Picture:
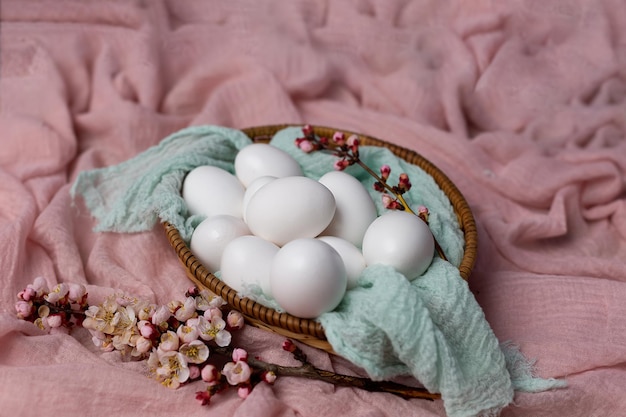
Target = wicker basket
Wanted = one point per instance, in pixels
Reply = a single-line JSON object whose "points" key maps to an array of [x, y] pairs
{"points": [[308, 331]]}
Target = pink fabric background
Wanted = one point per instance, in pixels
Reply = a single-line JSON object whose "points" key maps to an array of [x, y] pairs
{"points": [[521, 103]]}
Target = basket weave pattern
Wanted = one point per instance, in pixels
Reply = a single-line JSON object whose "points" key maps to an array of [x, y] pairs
{"points": [[306, 330]]}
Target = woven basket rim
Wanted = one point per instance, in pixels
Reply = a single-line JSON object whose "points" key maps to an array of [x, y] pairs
{"points": [[306, 330]]}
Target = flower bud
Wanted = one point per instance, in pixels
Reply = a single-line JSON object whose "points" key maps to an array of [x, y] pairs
{"points": [[203, 397], [55, 320], [76, 292], [244, 391], [235, 320], [240, 355], [339, 138], [268, 377], [194, 372], [307, 130], [209, 373], [24, 309], [385, 170], [289, 346]]}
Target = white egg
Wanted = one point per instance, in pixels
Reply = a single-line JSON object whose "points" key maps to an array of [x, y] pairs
{"points": [[209, 191], [253, 188], [401, 240], [247, 260], [355, 208], [260, 160], [212, 235], [290, 208], [308, 278], [351, 256]]}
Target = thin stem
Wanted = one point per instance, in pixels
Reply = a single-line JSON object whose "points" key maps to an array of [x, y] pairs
{"points": [[402, 201], [308, 371]]}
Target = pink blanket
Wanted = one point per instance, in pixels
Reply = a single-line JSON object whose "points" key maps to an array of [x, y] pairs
{"points": [[522, 104]]}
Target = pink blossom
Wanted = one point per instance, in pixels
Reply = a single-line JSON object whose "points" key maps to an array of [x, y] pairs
{"points": [[214, 330], [240, 355], [209, 374], [57, 293], [235, 320], [187, 334], [195, 352], [24, 309], [307, 130], [161, 315], [244, 391], [143, 345], [237, 372], [187, 310], [55, 320], [169, 342], [212, 312]]}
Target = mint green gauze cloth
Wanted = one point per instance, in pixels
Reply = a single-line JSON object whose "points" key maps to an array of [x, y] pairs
{"points": [[431, 328]]}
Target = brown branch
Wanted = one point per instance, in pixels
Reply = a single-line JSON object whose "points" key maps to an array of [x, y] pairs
{"points": [[308, 371]]}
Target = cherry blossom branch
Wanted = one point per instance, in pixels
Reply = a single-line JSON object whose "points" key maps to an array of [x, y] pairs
{"points": [[348, 152], [308, 371]]}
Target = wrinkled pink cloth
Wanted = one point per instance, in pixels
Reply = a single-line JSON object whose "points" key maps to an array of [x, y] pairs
{"points": [[522, 104]]}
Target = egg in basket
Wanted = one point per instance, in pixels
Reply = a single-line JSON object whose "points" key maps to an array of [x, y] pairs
{"points": [[290, 231]]}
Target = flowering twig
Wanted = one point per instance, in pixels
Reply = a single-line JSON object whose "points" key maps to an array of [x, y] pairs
{"points": [[347, 150], [177, 339]]}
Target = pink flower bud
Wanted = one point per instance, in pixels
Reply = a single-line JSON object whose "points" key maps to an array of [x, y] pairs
{"points": [[387, 201], [341, 164], [244, 391], [306, 146], [235, 320], [385, 170], [353, 140], [339, 138], [209, 373], [77, 292], [307, 130], [24, 309], [55, 320], [289, 346], [422, 210], [146, 329], [268, 377], [203, 397], [240, 355], [27, 294], [39, 285], [194, 372]]}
